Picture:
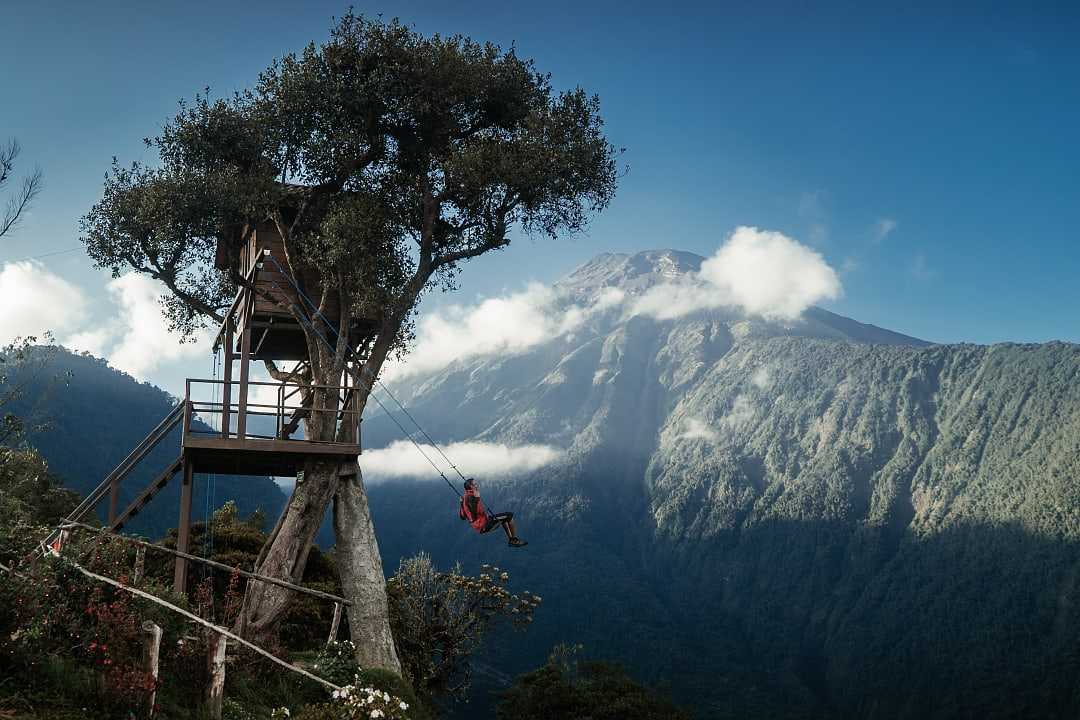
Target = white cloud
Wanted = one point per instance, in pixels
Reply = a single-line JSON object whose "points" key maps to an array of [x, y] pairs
{"points": [[760, 379], [742, 412], [37, 301], [140, 339], [760, 272], [695, 429], [401, 460], [509, 324], [135, 338], [883, 228]]}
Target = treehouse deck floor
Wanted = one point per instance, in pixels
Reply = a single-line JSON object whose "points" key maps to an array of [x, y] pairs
{"points": [[233, 456]]}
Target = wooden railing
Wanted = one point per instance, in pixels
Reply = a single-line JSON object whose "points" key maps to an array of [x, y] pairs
{"points": [[207, 401]]}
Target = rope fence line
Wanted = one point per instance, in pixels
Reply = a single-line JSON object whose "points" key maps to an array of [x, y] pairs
{"points": [[205, 623], [225, 632], [213, 563]]}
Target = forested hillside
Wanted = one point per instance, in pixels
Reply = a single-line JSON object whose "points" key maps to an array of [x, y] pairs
{"points": [[809, 519], [778, 521], [90, 416]]}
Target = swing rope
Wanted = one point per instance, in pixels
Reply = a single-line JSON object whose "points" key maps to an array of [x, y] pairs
{"points": [[307, 322], [374, 378]]}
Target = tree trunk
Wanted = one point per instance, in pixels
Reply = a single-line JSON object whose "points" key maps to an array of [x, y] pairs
{"points": [[362, 576], [285, 553]]}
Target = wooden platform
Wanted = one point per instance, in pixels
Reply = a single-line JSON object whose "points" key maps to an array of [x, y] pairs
{"points": [[233, 456]]}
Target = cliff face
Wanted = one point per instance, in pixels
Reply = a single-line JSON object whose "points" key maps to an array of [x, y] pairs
{"points": [[813, 517]]}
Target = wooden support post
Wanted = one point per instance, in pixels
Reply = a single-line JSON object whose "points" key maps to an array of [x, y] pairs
{"points": [[226, 391], [245, 360], [151, 652], [183, 534], [335, 624], [140, 565], [215, 665]]}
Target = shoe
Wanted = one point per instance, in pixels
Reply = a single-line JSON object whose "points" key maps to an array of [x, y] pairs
{"points": [[517, 542]]}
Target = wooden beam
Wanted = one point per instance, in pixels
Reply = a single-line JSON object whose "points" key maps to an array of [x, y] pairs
{"points": [[183, 534], [245, 361], [147, 494], [226, 391]]}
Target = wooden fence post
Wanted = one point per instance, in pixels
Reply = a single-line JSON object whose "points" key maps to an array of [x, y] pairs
{"points": [[335, 624], [215, 662], [151, 652], [140, 565]]}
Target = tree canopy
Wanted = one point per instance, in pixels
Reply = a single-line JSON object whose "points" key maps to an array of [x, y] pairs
{"points": [[384, 158]]}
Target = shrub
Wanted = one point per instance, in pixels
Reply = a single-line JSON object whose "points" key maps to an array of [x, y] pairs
{"points": [[439, 619], [567, 688]]}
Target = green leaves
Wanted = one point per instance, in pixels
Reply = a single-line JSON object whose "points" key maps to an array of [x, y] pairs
{"points": [[384, 158]]}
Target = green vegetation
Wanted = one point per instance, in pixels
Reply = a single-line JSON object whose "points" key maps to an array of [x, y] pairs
{"points": [[567, 688]]}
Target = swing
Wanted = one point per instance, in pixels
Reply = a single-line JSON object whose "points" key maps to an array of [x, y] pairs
{"points": [[476, 516]]}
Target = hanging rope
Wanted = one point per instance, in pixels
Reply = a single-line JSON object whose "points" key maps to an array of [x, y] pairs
{"points": [[307, 322], [374, 378]]}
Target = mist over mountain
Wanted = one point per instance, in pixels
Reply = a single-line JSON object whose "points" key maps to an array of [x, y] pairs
{"points": [[773, 517]]}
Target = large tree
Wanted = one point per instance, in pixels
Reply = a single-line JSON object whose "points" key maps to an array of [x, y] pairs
{"points": [[385, 159]]}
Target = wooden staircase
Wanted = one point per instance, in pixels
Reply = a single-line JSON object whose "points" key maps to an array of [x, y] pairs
{"points": [[111, 484]]}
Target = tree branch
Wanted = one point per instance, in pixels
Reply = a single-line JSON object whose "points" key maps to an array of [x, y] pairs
{"points": [[31, 186]]}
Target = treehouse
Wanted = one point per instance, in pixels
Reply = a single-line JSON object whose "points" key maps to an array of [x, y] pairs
{"points": [[257, 253], [234, 425]]}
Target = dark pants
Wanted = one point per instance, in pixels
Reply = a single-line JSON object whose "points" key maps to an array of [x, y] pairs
{"points": [[496, 520]]}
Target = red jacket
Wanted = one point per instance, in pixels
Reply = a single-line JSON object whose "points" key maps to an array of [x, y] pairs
{"points": [[472, 509]]}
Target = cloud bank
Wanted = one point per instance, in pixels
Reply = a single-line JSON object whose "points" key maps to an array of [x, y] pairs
{"points": [[134, 336], [138, 341], [37, 301], [510, 324], [479, 459], [762, 273]]}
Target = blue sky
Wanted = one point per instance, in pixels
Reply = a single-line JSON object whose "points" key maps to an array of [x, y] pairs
{"points": [[956, 128]]}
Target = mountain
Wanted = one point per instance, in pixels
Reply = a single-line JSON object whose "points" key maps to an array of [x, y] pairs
{"points": [[92, 416], [811, 518]]}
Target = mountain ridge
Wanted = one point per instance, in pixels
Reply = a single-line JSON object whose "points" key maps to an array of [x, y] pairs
{"points": [[778, 501]]}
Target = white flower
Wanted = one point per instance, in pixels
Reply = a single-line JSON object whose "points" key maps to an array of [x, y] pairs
{"points": [[376, 713], [403, 705]]}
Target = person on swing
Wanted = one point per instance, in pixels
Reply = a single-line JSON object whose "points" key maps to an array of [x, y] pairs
{"points": [[472, 509]]}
